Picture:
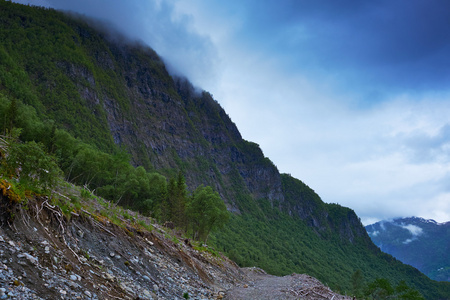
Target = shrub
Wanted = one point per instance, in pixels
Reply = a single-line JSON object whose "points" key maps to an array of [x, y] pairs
{"points": [[33, 167]]}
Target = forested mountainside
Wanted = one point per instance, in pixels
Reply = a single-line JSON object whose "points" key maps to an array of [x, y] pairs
{"points": [[98, 101], [421, 243]]}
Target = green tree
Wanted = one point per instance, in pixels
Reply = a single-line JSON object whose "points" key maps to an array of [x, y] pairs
{"points": [[380, 289], [157, 190], [358, 283], [403, 291], [33, 166], [167, 203], [11, 116], [205, 211], [179, 202], [173, 207]]}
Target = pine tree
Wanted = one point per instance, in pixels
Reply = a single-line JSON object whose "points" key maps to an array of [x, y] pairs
{"points": [[179, 204], [11, 116], [168, 201], [358, 283]]}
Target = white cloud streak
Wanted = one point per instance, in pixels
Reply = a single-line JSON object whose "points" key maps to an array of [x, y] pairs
{"points": [[413, 229]]}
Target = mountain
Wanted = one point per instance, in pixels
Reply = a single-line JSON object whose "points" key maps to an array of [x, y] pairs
{"points": [[423, 244], [97, 100]]}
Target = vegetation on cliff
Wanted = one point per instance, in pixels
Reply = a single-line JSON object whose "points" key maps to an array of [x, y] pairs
{"points": [[37, 165]]}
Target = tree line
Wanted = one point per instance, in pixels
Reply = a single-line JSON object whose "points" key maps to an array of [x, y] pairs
{"points": [[381, 289], [43, 153]]}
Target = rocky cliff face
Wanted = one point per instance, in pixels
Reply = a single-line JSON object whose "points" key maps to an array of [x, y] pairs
{"points": [[166, 124], [303, 202]]}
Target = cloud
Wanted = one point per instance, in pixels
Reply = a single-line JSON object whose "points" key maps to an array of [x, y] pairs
{"points": [[365, 159], [374, 233], [407, 241], [428, 146], [155, 23], [388, 44], [413, 229]]}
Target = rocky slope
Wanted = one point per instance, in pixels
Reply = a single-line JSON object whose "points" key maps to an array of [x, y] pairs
{"points": [[295, 286], [421, 243], [45, 254]]}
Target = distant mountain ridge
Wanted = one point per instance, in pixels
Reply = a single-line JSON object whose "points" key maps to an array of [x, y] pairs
{"points": [[421, 243]]}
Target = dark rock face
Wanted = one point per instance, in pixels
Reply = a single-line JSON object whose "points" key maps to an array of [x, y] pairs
{"points": [[166, 124]]}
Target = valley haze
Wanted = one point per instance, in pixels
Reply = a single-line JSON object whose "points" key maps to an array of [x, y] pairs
{"points": [[352, 98]]}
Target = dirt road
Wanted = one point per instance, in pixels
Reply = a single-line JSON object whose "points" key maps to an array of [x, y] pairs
{"points": [[295, 286]]}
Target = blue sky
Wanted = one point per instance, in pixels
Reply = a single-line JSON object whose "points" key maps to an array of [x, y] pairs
{"points": [[351, 97]]}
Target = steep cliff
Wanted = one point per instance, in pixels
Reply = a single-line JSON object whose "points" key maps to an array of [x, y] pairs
{"points": [[121, 93]]}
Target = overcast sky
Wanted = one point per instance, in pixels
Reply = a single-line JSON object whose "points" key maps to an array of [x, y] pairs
{"points": [[352, 97]]}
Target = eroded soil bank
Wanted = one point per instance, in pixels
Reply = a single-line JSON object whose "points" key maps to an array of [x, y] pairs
{"points": [[43, 255]]}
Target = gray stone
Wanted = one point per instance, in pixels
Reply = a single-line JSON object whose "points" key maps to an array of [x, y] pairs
{"points": [[72, 285], [31, 258], [109, 277]]}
